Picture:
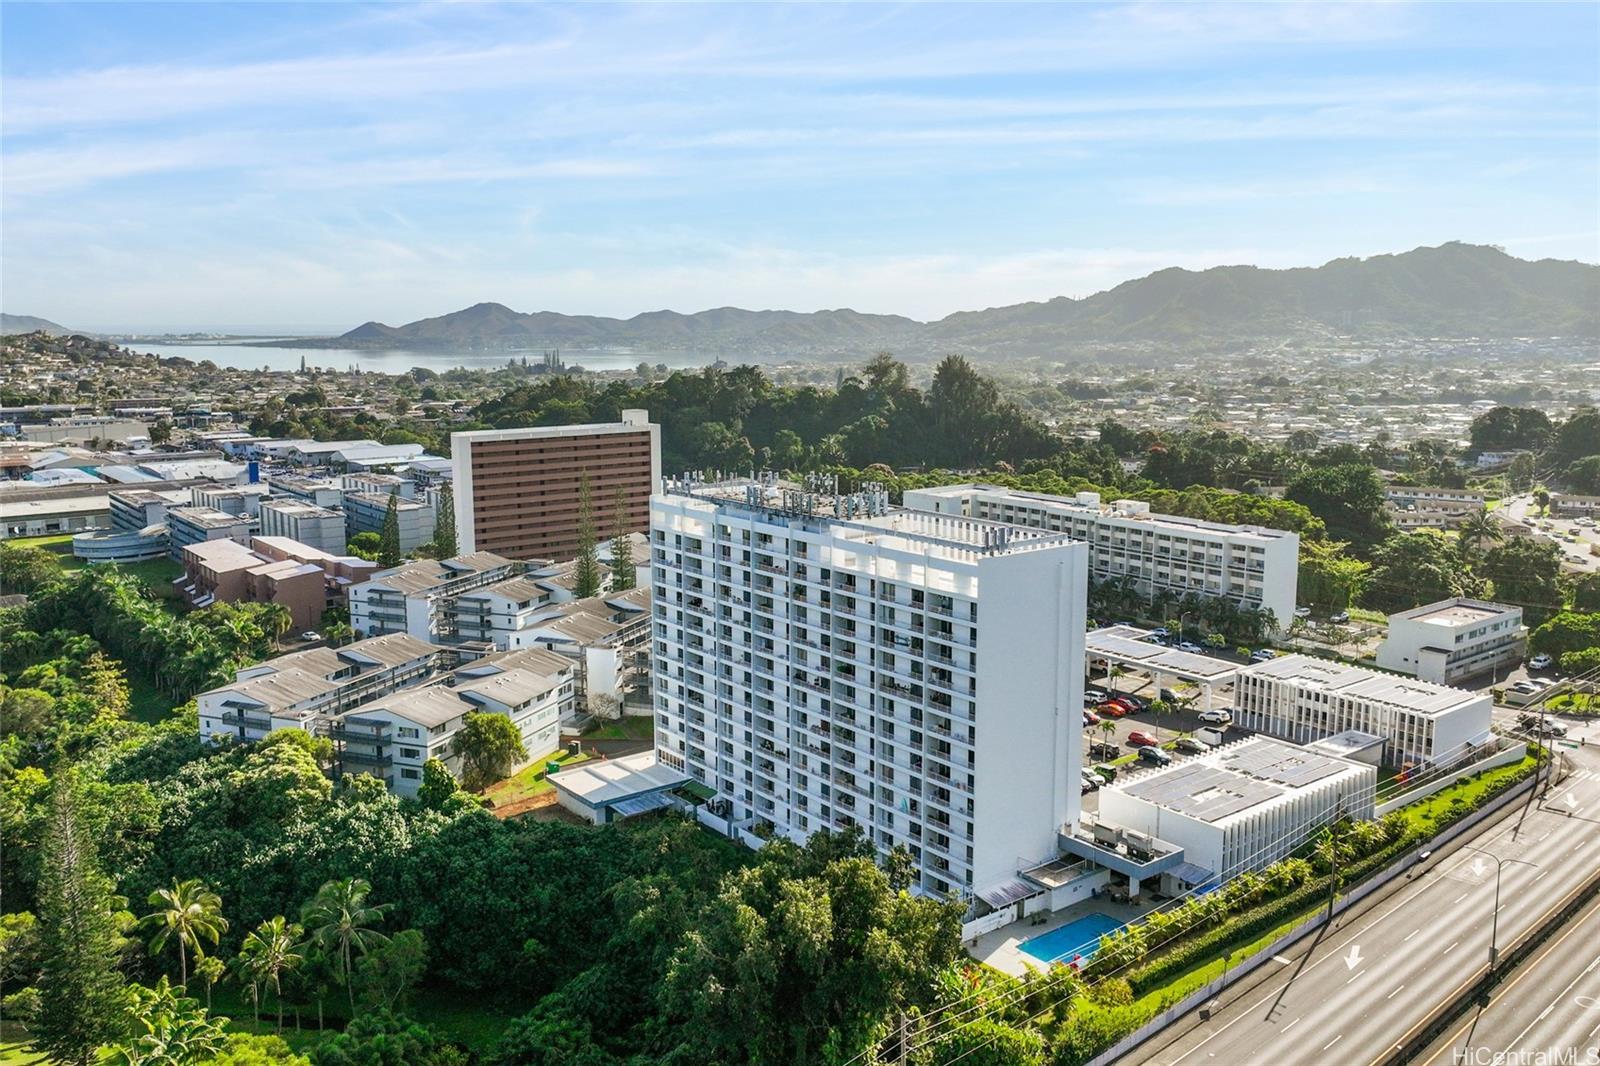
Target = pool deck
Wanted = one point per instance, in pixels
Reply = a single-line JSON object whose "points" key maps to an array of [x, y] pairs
{"points": [[999, 948]]}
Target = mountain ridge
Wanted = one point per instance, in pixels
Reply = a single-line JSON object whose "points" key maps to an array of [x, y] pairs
{"points": [[1449, 290], [10, 324]]}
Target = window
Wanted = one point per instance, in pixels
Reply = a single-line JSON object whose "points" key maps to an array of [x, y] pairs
{"points": [[410, 753], [410, 774], [409, 732]]}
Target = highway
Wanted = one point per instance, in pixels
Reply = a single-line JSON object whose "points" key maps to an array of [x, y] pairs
{"points": [[1349, 993], [1548, 1010]]}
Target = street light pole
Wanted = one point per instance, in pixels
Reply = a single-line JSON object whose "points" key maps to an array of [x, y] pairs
{"points": [[1494, 919]]}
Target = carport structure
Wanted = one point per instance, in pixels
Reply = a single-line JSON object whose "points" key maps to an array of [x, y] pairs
{"points": [[1130, 646]]}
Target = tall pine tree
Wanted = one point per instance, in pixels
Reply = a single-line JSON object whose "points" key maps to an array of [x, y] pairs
{"points": [[81, 999], [444, 525], [389, 539], [623, 575], [586, 564]]}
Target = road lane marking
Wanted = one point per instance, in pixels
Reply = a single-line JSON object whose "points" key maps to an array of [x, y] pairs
{"points": [[1280, 958], [1449, 949], [1332, 1042], [1458, 899], [1355, 975], [1541, 875], [1291, 1025], [1411, 934], [1395, 993]]}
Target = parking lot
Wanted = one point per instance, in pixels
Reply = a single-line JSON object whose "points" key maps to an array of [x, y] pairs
{"points": [[1166, 727]]}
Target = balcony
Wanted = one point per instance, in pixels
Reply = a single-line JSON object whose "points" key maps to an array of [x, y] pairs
{"points": [[249, 721], [361, 758]]}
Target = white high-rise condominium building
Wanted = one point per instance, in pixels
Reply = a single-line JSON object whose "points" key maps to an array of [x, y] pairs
{"points": [[1251, 565], [825, 661]]}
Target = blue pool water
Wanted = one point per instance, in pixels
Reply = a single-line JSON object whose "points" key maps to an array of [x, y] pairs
{"points": [[1078, 937]]}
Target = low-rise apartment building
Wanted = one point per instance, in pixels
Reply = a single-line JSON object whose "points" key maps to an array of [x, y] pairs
{"points": [[1251, 566], [393, 736], [305, 689], [420, 597], [1304, 699], [364, 512], [196, 525], [318, 492], [319, 527], [1452, 640], [1569, 505], [826, 661], [228, 572]]}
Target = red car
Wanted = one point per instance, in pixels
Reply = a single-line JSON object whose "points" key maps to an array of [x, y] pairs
{"points": [[1111, 710], [1090, 718], [1137, 739], [1127, 704]]}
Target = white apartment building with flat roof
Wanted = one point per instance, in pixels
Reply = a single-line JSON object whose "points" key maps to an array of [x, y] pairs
{"points": [[827, 661], [1252, 566], [319, 527], [1240, 807], [1454, 639], [1304, 699], [365, 512]]}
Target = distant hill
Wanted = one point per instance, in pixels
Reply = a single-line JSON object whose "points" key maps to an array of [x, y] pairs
{"points": [[1454, 290], [28, 324]]}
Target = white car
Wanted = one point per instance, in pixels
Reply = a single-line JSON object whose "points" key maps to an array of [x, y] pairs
{"points": [[1190, 645], [311, 634], [1216, 716], [1540, 662]]}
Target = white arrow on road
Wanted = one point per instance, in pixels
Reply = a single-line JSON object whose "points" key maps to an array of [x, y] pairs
{"points": [[1352, 960], [1572, 801], [1478, 867]]}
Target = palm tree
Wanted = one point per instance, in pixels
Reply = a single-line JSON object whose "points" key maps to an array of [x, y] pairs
{"points": [[341, 923], [1477, 529], [186, 914], [270, 952]]}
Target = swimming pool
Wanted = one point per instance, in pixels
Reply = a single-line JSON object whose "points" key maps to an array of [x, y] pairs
{"points": [[1080, 936]]}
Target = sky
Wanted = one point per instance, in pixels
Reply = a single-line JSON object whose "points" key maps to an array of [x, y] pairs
{"points": [[263, 166]]}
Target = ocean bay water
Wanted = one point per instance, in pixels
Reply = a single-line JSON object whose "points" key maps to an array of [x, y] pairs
{"points": [[397, 360]]}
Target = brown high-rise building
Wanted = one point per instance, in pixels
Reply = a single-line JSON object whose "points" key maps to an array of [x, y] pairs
{"points": [[516, 490]]}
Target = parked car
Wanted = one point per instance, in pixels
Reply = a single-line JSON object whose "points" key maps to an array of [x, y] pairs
{"points": [[1191, 745], [1090, 718], [1527, 687], [1137, 739], [1216, 716], [1261, 655], [1094, 695], [1339, 619], [1091, 781], [1111, 710], [1171, 695], [1161, 634], [1302, 612], [1189, 645], [1540, 662], [1155, 755], [1130, 701], [311, 634]]}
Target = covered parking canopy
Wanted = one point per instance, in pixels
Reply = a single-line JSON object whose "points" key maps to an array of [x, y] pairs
{"points": [[1130, 646]]}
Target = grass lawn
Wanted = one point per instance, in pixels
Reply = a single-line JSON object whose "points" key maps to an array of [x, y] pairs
{"points": [[635, 727], [1426, 813], [56, 542], [457, 1017], [156, 574], [1363, 614], [14, 1047], [530, 780], [1576, 703]]}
